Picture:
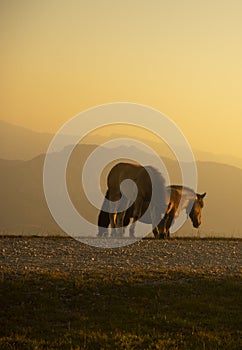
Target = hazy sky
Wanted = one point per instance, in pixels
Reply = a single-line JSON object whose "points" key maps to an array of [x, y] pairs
{"points": [[182, 57]]}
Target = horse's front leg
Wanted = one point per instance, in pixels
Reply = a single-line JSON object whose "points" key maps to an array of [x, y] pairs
{"points": [[162, 228], [165, 224], [155, 232]]}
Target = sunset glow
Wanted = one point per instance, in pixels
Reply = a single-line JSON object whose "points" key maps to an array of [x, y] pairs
{"points": [[180, 57]]}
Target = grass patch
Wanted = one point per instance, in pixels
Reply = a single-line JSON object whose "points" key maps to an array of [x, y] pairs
{"points": [[156, 310]]}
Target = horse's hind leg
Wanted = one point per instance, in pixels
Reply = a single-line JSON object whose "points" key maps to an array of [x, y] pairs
{"points": [[132, 229], [127, 218], [114, 196], [122, 216], [169, 223], [120, 223], [103, 219], [112, 219], [112, 224], [137, 210], [103, 223], [155, 221]]}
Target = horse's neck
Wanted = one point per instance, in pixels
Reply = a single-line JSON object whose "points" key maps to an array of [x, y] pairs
{"points": [[186, 195], [184, 192]]}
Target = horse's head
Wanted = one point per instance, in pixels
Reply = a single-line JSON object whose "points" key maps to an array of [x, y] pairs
{"points": [[196, 211]]}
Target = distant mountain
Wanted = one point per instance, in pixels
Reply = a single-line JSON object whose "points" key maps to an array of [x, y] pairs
{"points": [[164, 152], [218, 158], [19, 143], [222, 211], [23, 209]]}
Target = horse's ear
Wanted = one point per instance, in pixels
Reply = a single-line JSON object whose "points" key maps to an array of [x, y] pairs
{"points": [[203, 195]]}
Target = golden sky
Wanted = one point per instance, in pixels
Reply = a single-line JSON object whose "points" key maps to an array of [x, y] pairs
{"points": [[182, 57]]}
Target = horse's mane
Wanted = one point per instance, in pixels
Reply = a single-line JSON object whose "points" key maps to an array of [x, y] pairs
{"points": [[158, 182], [156, 175], [182, 189]]}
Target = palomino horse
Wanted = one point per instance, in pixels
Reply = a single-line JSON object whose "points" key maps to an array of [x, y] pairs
{"points": [[150, 192], [180, 198]]}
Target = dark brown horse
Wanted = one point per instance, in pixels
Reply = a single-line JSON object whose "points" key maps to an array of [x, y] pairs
{"points": [[147, 189], [180, 198]]}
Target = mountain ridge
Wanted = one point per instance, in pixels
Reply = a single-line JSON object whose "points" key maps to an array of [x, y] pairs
{"points": [[15, 144]]}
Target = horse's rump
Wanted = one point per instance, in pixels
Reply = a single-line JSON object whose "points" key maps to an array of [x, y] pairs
{"points": [[150, 193], [148, 180]]}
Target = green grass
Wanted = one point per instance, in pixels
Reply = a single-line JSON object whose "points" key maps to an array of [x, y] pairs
{"points": [[156, 310]]}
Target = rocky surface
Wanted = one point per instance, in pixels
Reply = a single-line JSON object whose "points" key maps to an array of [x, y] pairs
{"points": [[216, 258]]}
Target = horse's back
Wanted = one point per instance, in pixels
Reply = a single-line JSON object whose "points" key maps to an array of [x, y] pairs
{"points": [[123, 171]]}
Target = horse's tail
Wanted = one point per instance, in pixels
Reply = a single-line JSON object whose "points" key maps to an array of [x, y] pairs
{"points": [[103, 217]]}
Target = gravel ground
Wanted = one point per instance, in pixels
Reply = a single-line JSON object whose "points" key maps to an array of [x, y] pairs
{"points": [[217, 258]]}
